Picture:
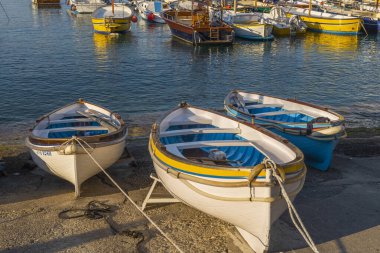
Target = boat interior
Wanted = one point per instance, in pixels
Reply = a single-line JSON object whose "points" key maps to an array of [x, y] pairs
{"points": [[274, 112], [79, 123], [120, 11], [201, 141]]}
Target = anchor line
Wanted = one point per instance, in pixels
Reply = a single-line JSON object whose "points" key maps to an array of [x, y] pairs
{"points": [[292, 210], [78, 140], [5, 12]]}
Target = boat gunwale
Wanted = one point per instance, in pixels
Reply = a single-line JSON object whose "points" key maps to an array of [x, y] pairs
{"points": [[102, 138], [165, 15], [341, 119], [155, 138]]}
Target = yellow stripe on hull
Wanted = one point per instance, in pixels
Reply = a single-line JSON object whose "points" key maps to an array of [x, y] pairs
{"points": [[214, 172], [109, 25], [330, 25]]}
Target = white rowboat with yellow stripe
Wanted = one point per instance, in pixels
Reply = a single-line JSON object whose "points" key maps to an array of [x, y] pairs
{"points": [[216, 164]]}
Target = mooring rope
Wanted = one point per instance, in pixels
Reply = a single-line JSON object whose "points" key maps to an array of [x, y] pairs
{"points": [[292, 210], [5, 12], [78, 140]]}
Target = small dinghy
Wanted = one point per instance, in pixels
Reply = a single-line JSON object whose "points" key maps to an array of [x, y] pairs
{"points": [[115, 18], [151, 11], [57, 140], [218, 165], [315, 130]]}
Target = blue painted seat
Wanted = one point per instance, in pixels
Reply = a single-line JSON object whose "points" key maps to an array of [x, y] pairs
{"points": [[68, 134]]}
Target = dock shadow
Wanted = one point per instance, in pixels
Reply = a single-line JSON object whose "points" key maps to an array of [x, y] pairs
{"points": [[332, 205]]}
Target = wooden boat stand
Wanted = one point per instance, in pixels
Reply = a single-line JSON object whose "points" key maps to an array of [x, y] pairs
{"points": [[149, 200]]}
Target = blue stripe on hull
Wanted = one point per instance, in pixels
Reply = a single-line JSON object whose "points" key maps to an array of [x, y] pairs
{"points": [[258, 38], [331, 32]]}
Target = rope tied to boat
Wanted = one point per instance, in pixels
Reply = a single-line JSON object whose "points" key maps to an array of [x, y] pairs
{"points": [[269, 164], [79, 140]]}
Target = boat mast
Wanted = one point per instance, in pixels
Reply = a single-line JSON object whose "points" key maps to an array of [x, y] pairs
{"points": [[235, 3], [192, 11], [310, 7], [377, 5], [113, 7]]}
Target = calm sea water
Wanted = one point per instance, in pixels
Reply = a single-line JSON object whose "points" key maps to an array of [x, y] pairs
{"points": [[49, 58]]}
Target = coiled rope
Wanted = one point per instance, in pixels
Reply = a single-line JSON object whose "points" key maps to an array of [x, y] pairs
{"points": [[269, 164], [78, 140]]}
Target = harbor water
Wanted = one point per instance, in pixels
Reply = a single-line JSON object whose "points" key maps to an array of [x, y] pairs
{"points": [[50, 58]]}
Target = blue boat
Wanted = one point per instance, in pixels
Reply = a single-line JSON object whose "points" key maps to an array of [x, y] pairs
{"points": [[371, 25], [313, 129]]}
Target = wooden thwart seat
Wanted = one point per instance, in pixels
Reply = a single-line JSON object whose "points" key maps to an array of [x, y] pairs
{"points": [[196, 144], [284, 112], [200, 131], [263, 106]]}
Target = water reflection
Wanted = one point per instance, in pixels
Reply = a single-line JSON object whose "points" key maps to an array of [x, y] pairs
{"points": [[105, 45], [326, 43]]}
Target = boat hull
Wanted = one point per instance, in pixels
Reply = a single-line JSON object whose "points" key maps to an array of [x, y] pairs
{"points": [[254, 32], [318, 152], [46, 2], [335, 24], [75, 166], [157, 18], [253, 219], [198, 35], [111, 25], [371, 25]]}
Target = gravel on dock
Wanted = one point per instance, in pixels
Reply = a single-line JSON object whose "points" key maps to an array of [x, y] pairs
{"points": [[340, 207]]}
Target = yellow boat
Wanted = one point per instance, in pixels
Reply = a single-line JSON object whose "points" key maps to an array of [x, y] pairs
{"points": [[112, 19], [327, 22]]}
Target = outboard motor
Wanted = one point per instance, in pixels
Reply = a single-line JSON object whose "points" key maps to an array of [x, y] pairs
{"points": [[296, 24]]}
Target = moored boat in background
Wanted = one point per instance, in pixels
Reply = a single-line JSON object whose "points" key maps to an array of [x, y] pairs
{"points": [[46, 2], [315, 130], [54, 146], [217, 165], [86, 6], [196, 27], [151, 10], [327, 22], [283, 25], [249, 25], [113, 19]]}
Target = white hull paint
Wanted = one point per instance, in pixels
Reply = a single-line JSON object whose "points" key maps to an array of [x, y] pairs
{"points": [[78, 167], [252, 219], [54, 141], [262, 31]]}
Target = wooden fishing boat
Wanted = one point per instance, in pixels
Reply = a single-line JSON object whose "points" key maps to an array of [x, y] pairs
{"points": [[46, 2], [327, 22], [112, 19], [216, 164], [53, 148], [283, 25], [195, 27], [313, 129], [151, 11]]}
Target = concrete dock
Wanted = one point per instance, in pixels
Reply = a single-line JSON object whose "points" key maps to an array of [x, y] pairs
{"points": [[340, 208]]}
